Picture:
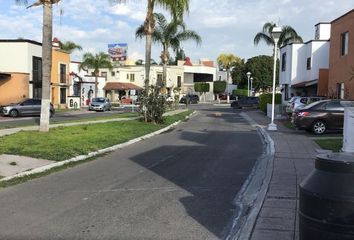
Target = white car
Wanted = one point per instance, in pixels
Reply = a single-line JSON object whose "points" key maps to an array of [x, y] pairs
{"points": [[298, 102]]}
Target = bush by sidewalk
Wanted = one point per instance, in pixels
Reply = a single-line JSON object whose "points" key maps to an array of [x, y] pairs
{"points": [[66, 142]]}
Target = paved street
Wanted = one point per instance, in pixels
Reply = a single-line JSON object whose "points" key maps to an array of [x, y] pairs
{"points": [[178, 185]]}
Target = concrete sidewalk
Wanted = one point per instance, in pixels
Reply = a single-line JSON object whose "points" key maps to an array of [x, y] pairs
{"points": [[293, 161]]}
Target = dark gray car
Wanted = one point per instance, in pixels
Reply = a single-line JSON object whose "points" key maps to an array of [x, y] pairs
{"points": [[28, 107]]}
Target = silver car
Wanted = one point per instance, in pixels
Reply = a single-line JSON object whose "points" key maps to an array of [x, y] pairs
{"points": [[28, 107], [100, 104]]}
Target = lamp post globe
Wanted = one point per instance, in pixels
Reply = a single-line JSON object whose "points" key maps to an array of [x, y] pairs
{"points": [[276, 32], [248, 83]]}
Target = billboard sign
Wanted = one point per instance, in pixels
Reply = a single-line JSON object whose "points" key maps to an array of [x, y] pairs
{"points": [[118, 51]]}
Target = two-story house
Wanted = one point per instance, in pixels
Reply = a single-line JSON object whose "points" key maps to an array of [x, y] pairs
{"points": [[21, 72], [304, 67]]}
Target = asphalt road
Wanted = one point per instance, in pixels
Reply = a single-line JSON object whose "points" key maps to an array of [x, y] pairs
{"points": [[177, 185]]}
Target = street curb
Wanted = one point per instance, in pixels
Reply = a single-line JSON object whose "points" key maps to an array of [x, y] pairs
{"points": [[250, 198], [92, 154]]}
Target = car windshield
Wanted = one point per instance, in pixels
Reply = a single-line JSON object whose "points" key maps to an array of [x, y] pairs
{"points": [[98, 100]]}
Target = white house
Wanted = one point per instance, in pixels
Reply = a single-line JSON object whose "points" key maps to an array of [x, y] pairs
{"points": [[303, 65], [83, 85]]}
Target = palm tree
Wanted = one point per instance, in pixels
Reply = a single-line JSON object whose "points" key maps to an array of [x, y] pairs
{"points": [[95, 62], [226, 61], [169, 34], [288, 35], [69, 46], [47, 32], [176, 8]]}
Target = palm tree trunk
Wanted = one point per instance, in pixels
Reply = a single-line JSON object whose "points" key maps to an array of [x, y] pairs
{"points": [[47, 65], [96, 84], [149, 29], [164, 68]]}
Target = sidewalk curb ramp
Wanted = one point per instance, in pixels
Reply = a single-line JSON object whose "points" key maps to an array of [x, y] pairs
{"points": [[250, 198], [92, 154]]}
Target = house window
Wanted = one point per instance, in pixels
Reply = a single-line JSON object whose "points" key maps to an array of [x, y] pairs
{"points": [[308, 63], [104, 74], [340, 90], [179, 81], [132, 77], [219, 78], [37, 77], [113, 74], [344, 43], [92, 73], [62, 95], [62, 73], [283, 62]]}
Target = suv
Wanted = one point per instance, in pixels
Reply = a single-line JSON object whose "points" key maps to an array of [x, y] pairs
{"points": [[189, 99], [31, 106], [298, 102], [241, 102]]}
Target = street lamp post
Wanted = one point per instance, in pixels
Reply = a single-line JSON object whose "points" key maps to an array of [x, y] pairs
{"points": [[251, 86], [276, 31], [248, 83]]}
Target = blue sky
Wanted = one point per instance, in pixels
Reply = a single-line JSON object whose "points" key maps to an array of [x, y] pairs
{"points": [[226, 26]]}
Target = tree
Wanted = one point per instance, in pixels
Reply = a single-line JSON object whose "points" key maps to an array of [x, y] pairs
{"points": [[202, 88], [288, 35], [169, 35], [219, 87], [47, 33], [69, 46], [238, 72], [95, 62], [176, 8], [261, 68], [226, 61]]}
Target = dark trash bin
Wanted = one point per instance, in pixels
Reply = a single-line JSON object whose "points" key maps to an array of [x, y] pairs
{"points": [[326, 204]]}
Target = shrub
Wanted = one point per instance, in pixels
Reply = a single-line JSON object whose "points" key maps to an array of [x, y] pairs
{"points": [[153, 105], [240, 92], [219, 87], [267, 98]]}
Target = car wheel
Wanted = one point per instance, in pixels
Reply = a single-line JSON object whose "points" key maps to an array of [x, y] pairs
{"points": [[14, 113], [319, 127]]}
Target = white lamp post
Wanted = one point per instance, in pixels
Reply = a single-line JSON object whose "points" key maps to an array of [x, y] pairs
{"points": [[248, 83], [251, 86], [275, 34]]}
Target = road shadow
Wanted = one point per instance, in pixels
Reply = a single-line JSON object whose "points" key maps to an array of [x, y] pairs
{"points": [[211, 169]]}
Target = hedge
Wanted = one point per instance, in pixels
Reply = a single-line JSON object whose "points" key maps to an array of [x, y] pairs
{"points": [[240, 92], [267, 98]]}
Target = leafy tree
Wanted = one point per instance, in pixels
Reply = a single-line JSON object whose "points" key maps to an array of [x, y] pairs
{"points": [[169, 34], [69, 46], [154, 104], [288, 35], [95, 62], [47, 31], [202, 87], [261, 68], [238, 72], [219, 87]]}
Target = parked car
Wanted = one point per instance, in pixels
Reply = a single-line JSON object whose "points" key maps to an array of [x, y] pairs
{"points": [[223, 96], [27, 107], [299, 102], [100, 104], [320, 116], [241, 102], [190, 99]]}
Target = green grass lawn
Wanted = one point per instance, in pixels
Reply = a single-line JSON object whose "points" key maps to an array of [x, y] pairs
{"points": [[330, 144], [66, 142]]}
